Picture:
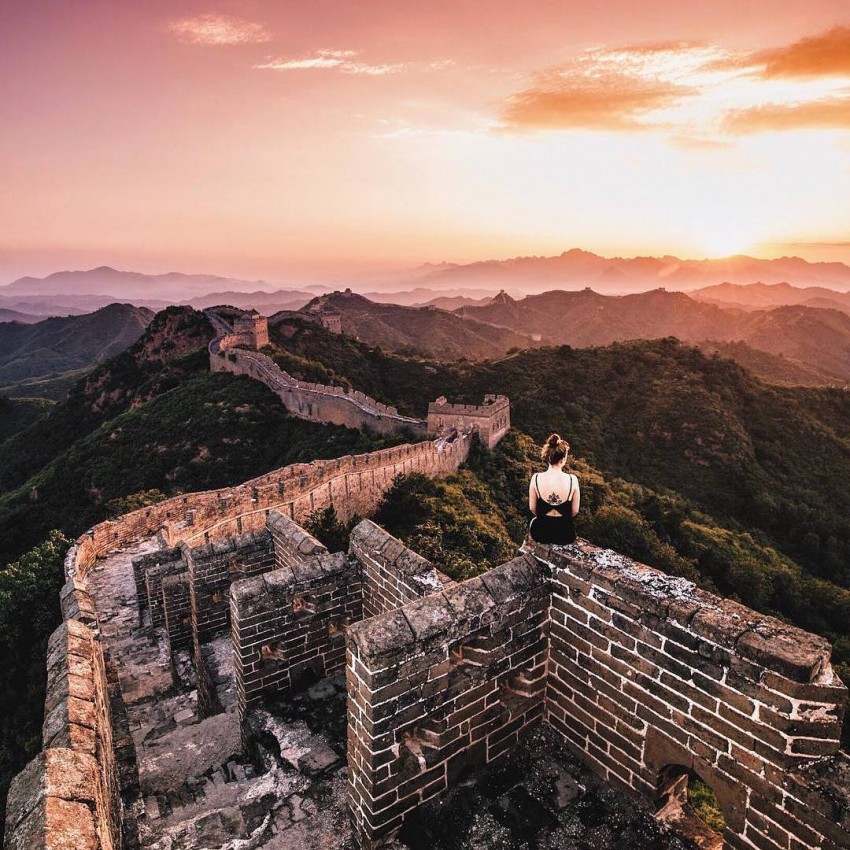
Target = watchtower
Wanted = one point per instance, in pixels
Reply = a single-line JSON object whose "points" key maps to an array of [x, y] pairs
{"points": [[491, 419], [253, 328]]}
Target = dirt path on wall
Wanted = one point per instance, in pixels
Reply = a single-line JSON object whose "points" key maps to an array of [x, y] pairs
{"points": [[199, 791]]}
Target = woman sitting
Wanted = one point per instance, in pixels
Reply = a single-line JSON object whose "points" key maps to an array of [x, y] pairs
{"points": [[553, 496]]}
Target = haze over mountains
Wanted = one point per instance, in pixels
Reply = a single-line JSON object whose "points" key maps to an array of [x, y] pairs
{"points": [[577, 268], [758, 296], [69, 292]]}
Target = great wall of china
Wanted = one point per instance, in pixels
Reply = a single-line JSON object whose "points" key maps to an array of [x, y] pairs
{"points": [[193, 628]]}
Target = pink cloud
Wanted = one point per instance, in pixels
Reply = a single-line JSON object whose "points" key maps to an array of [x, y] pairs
{"points": [[219, 29]]}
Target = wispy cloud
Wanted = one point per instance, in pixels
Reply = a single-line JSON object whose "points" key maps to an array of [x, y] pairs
{"points": [[219, 29], [346, 62], [828, 114], [826, 55], [607, 89], [700, 95]]}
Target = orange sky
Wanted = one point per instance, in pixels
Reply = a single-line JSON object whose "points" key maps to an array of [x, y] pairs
{"points": [[295, 140]]}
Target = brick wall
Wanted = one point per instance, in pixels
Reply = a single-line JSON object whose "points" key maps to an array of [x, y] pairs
{"points": [[80, 791], [154, 576], [141, 564], [650, 677], [392, 573], [353, 484], [288, 625], [316, 402], [492, 420], [177, 611], [439, 687], [292, 544], [211, 570]]}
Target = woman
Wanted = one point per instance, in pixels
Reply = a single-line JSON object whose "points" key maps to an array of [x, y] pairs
{"points": [[553, 496]]}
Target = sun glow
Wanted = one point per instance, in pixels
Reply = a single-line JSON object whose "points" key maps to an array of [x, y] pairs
{"points": [[726, 243]]}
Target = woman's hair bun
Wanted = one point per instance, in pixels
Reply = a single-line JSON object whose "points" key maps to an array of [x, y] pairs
{"points": [[554, 449]]}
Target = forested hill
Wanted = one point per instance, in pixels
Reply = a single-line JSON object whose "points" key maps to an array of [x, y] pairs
{"points": [[69, 343], [658, 413]]}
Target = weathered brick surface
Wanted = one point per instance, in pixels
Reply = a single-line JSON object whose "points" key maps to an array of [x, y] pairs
{"points": [[440, 686], [292, 544], [177, 611], [392, 573], [73, 794], [649, 676], [141, 565], [288, 625], [212, 568], [154, 577]]}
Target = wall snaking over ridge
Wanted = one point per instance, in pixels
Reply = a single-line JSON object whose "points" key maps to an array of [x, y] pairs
{"points": [[316, 402]]}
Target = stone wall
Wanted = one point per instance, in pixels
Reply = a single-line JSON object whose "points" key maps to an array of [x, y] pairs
{"points": [[352, 484], [82, 790], [438, 688], [177, 609], [213, 567], [392, 573], [649, 678], [141, 565], [288, 626], [316, 402]]}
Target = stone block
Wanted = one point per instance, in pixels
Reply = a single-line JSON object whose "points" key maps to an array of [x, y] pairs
{"points": [[381, 636], [54, 773], [791, 652], [429, 617]]}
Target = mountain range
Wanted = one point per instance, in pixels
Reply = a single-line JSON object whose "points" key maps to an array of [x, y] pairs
{"points": [[577, 269], [815, 339], [430, 331], [760, 296]]}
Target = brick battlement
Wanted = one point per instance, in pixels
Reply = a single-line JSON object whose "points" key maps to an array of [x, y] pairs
{"points": [[492, 420], [643, 676]]}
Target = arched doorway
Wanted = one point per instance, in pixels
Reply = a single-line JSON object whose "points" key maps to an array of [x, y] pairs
{"points": [[689, 805]]}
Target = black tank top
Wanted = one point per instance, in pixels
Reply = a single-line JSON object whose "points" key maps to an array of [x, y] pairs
{"points": [[555, 530]]}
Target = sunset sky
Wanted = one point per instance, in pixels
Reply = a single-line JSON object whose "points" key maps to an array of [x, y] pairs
{"points": [[290, 140]]}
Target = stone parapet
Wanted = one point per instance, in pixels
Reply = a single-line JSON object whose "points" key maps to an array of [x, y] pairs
{"points": [[650, 677], [439, 687], [288, 625], [392, 574], [315, 402]]}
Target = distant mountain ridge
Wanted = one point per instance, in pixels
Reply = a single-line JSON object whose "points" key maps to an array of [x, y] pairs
{"points": [[70, 343], [816, 339], [759, 296], [431, 331], [172, 286], [577, 269]]}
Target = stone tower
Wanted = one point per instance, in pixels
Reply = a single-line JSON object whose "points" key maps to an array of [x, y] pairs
{"points": [[253, 328], [492, 419]]}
